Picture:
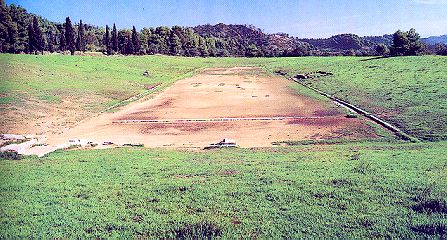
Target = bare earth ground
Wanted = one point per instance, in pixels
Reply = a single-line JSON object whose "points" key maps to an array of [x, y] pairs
{"points": [[219, 93], [34, 116]]}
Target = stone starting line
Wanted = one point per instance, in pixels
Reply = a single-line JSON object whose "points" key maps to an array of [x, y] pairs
{"points": [[167, 121]]}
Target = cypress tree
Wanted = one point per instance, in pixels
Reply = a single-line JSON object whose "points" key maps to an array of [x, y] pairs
{"points": [[136, 44], [31, 39], [50, 41], [114, 39], [129, 46], [80, 42], [69, 36], [62, 40], [107, 41], [36, 41], [38, 36]]}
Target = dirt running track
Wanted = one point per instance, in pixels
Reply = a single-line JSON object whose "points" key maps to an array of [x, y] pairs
{"points": [[220, 94]]}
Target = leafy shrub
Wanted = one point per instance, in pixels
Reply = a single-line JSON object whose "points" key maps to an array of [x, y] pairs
{"points": [[10, 155]]}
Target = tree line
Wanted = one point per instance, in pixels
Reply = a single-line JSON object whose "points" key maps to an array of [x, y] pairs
{"points": [[23, 32]]}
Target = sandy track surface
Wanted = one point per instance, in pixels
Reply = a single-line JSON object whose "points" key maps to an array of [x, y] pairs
{"points": [[234, 93]]}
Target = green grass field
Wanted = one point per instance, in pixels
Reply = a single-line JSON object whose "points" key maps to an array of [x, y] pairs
{"points": [[338, 190], [346, 191]]}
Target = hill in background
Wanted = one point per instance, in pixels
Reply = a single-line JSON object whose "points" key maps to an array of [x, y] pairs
{"points": [[436, 39]]}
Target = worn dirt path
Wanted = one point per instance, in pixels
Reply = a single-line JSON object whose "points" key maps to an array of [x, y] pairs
{"points": [[233, 93]]}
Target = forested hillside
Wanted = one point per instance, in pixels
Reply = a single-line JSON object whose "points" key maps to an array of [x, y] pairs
{"points": [[23, 32], [436, 39]]}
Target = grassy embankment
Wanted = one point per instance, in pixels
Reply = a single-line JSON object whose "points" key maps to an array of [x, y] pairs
{"points": [[409, 92]]}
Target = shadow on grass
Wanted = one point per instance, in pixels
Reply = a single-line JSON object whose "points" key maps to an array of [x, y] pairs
{"points": [[431, 229], [198, 231], [374, 58], [431, 206]]}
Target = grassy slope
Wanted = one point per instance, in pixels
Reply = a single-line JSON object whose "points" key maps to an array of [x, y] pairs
{"points": [[112, 79], [408, 91], [354, 190]]}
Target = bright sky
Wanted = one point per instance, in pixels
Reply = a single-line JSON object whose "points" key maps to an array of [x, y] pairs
{"points": [[301, 18]]}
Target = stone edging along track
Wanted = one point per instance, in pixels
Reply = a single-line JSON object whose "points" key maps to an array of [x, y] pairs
{"points": [[398, 132], [163, 121]]}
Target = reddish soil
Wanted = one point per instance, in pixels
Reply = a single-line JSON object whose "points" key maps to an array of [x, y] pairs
{"points": [[220, 93]]}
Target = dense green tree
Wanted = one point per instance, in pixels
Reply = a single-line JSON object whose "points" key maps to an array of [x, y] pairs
{"points": [[13, 37], [130, 49], [50, 33], [145, 35], [441, 49], [36, 42], [253, 51], [211, 46], [69, 36], [162, 39], [301, 50], [203, 48], [31, 44], [181, 34], [136, 44], [94, 38], [107, 41], [416, 46], [175, 46], [21, 18], [8, 30], [62, 45], [39, 41], [51, 41], [5, 21], [114, 40], [124, 41], [400, 43], [191, 45], [92, 43], [152, 44], [80, 41], [382, 49], [221, 48], [406, 43]]}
